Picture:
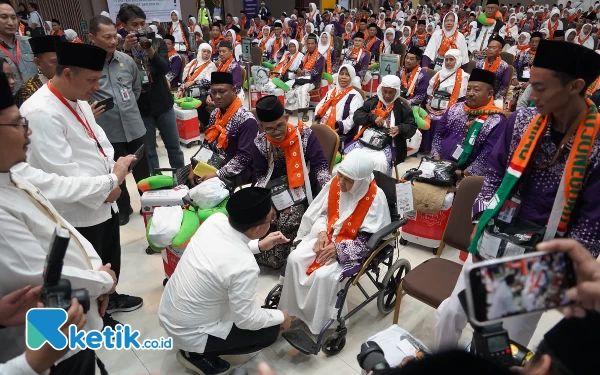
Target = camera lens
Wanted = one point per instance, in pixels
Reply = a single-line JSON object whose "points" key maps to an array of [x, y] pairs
{"points": [[371, 357], [82, 296]]}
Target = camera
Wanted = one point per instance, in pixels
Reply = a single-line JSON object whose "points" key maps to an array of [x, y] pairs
{"points": [[371, 358], [145, 38], [57, 292]]}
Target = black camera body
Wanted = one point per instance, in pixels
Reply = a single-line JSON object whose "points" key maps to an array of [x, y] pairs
{"points": [[371, 358], [57, 292], [145, 38]]}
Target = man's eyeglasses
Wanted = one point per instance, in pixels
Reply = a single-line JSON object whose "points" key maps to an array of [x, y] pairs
{"points": [[279, 127], [24, 124]]}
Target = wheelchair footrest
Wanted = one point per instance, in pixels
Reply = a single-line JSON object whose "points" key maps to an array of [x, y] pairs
{"points": [[301, 340]]}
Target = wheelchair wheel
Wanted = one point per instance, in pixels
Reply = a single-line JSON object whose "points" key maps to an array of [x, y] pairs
{"points": [[403, 242], [386, 300], [272, 300], [333, 344]]}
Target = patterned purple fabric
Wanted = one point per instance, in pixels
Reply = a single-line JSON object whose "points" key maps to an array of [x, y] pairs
{"points": [[415, 40], [236, 70], [524, 60], [241, 131], [361, 66], [317, 71], [451, 130], [387, 150], [420, 93], [313, 153], [351, 253], [375, 48], [540, 187], [503, 78]]}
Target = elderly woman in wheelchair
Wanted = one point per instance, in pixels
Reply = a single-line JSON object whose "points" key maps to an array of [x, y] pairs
{"points": [[341, 232]]}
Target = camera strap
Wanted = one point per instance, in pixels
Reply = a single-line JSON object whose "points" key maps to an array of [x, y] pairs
{"points": [[41, 205]]}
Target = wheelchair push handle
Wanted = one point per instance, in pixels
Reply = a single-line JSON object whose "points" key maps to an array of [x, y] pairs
{"points": [[410, 174]]}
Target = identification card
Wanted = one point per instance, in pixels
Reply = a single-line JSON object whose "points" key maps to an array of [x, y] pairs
{"points": [[282, 200], [526, 73], [144, 77], [125, 95], [407, 348], [298, 194], [509, 209], [205, 154], [404, 197], [457, 152]]}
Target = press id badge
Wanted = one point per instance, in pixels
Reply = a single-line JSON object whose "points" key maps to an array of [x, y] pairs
{"points": [[457, 152], [284, 197], [526, 72], [144, 77], [509, 209], [125, 95], [206, 155]]}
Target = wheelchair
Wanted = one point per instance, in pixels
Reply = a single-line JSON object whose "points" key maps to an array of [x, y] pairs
{"points": [[382, 245]]}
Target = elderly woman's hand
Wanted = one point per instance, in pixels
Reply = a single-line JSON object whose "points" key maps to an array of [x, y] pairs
{"points": [[327, 255], [322, 241]]}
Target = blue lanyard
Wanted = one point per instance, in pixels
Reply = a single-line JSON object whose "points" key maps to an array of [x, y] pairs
{"points": [[138, 55]]}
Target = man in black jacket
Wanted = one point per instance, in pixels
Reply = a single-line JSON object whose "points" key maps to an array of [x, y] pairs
{"points": [[387, 122], [155, 102]]}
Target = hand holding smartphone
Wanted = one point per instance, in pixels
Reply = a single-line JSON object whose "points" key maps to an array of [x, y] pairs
{"points": [[138, 155], [518, 285]]}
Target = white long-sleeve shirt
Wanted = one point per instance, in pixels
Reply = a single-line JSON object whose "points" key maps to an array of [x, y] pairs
{"points": [[355, 104], [61, 145], [214, 287], [435, 42], [479, 43], [28, 224]]}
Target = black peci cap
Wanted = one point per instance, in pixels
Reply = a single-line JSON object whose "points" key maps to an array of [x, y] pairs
{"points": [[249, 205], [80, 55], [269, 108]]}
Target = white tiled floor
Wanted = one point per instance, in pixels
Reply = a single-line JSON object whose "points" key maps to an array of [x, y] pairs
{"points": [[142, 275]]}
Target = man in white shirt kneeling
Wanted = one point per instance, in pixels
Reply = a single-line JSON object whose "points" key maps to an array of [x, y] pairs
{"points": [[209, 306]]}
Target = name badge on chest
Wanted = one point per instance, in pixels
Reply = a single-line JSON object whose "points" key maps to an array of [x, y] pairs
{"points": [[509, 209], [125, 95], [144, 77]]}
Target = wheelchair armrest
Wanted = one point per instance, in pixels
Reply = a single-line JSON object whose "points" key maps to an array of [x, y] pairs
{"points": [[384, 232]]}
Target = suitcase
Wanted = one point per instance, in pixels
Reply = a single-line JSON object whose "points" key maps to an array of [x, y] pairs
{"points": [[425, 229]]}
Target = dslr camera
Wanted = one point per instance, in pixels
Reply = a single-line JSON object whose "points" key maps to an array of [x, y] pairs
{"points": [[57, 292], [145, 38]]}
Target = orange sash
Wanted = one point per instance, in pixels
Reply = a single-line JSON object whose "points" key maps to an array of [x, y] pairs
{"points": [[181, 26], [352, 224], [404, 81], [223, 66], [215, 43], [293, 159], [552, 29], [455, 89], [447, 43], [283, 65], [332, 102], [308, 64], [494, 66], [193, 75], [219, 128]]}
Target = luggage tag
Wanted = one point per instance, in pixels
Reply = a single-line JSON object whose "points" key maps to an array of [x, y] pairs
{"points": [[125, 95], [144, 77], [526, 72], [510, 209], [457, 152], [404, 197]]}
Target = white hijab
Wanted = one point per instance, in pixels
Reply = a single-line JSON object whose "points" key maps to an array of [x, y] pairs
{"points": [[265, 35], [403, 38], [400, 24], [70, 34], [389, 81], [567, 33], [358, 167], [233, 36], [351, 73], [386, 42], [324, 47], [202, 47], [349, 25], [451, 32], [445, 73], [177, 13]]}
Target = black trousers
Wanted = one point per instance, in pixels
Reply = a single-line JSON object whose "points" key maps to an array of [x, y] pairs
{"points": [[106, 239], [140, 171], [241, 341], [82, 363]]}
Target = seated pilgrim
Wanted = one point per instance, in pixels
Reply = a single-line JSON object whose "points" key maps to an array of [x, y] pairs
{"points": [[290, 161], [227, 63], [308, 76], [358, 57], [209, 305], [291, 60], [336, 109], [468, 131], [494, 63], [387, 122], [229, 138], [334, 234], [446, 88], [413, 78]]}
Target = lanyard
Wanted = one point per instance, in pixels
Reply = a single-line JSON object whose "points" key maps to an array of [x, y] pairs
{"points": [[138, 55], [85, 124], [18, 57]]}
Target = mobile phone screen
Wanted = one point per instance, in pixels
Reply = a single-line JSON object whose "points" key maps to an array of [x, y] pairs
{"points": [[138, 155], [520, 285]]}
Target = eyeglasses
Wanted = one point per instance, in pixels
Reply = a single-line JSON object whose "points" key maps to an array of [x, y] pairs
{"points": [[279, 127], [24, 124]]}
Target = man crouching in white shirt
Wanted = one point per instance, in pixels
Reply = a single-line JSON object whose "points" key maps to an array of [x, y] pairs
{"points": [[28, 224], [209, 306]]}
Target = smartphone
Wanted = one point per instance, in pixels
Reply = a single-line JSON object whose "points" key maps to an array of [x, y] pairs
{"points": [[523, 284], [109, 104], [138, 156]]}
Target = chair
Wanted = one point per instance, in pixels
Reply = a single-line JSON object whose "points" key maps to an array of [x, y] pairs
{"points": [[433, 281], [508, 57], [362, 93], [329, 140], [257, 55], [430, 73], [470, 66]]}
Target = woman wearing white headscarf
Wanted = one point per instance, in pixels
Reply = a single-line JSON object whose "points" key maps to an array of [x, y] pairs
{"points": [[314, 16], [585, 37], [388, 41], [381, 115], [337, 108], [265, 36], [194, 27], [571, 35], [381, 20], [48, 27], [446, 87], [180, 32], [522, 44], [193, 74], [326, 49], [348, 33], [71, 36], [336, 247], [406, 35], [230, 35], [545, 32], [512, 32], [154, 29], [289, 63], [442, 40], [521, 13], [554, 23]]}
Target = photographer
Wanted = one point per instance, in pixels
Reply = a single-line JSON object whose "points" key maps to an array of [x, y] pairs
{"points": [[156, 101], [13, 309], [29, 221]]}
